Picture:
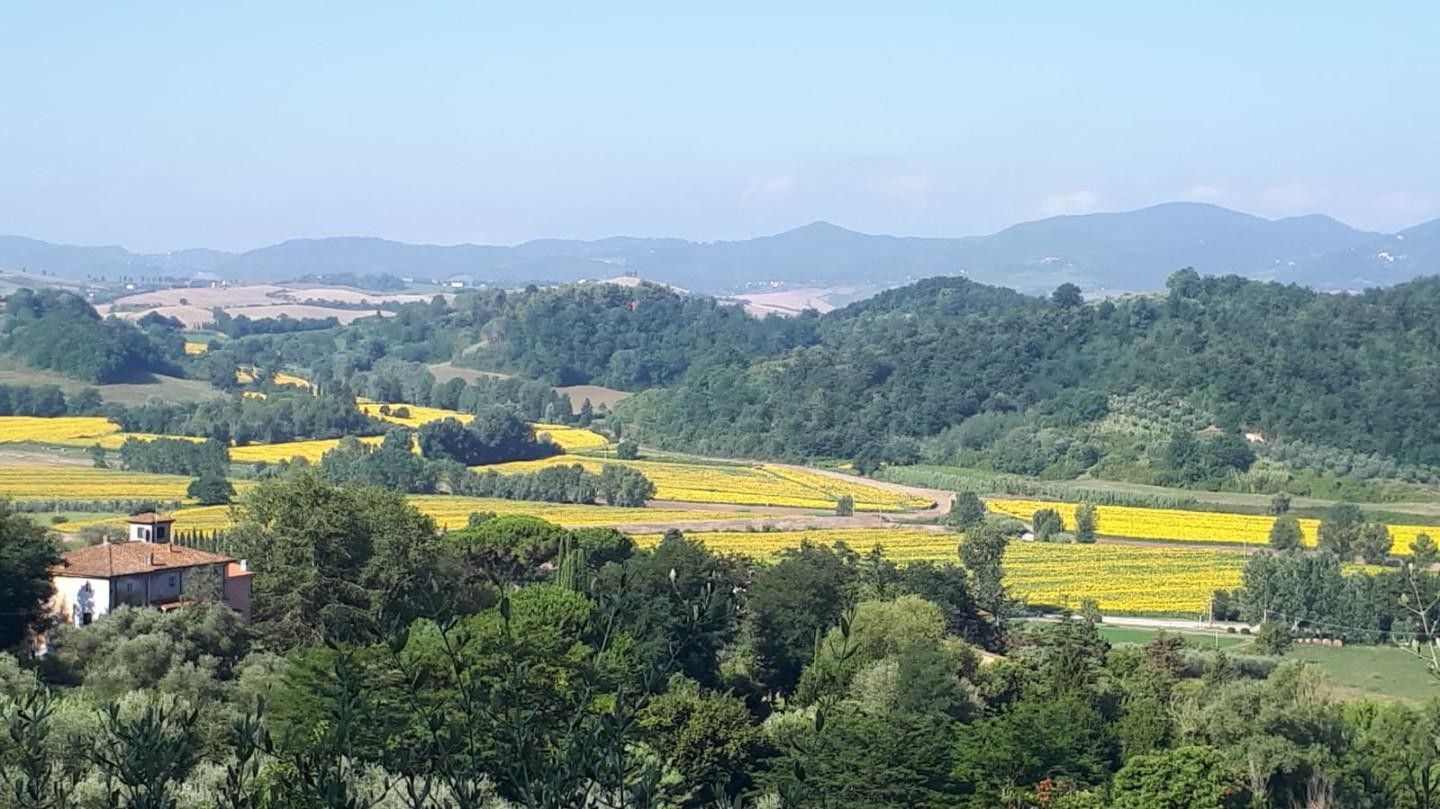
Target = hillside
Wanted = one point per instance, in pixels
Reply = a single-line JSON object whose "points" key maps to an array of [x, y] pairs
{"points": [[948, 368], [1105, 252]]}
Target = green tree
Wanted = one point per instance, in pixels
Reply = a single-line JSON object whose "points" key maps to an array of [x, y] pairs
{"points": [[26, 555], [708, 737], [210, 489], [1274, 638], [1340, 530], [1085, 523], [1280, 503], [1067, 296], [966, 511], [1025, 744], [1047, 524], [1285, 533], [1423, 550], [788, 606], [1374, 542], [1183, 778], [982, 552], [628, 449], [331, 562], [845, 506], [624, 486]]}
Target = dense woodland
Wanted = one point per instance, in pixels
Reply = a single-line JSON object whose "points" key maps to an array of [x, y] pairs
{"points": [[516, 663], [59, 331]]}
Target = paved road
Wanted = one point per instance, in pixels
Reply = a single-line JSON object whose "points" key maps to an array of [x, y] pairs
{"points": [[1177, 624]]}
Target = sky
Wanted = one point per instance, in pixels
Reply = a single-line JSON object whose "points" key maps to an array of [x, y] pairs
{"points": [[160, 126]]}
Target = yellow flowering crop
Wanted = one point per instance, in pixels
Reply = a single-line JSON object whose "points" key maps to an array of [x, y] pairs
{"points": [[571, 439], [419, 414], [1188, 526], [83, 483], [59, 429], [282, 378], [1122, 578], [762, 485], [289, 450], [192, 347]]}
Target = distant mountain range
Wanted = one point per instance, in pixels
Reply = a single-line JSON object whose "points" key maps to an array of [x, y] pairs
{"points": [[1105, 252]]}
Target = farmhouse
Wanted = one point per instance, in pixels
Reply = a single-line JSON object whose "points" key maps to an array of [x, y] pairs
{"points": [[148, 571]]}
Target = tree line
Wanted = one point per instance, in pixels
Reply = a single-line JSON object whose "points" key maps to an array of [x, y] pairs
{"points": [[517, 663]]}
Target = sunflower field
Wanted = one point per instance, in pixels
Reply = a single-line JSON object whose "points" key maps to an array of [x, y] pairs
{"points": [[1123, 579], [1175, 525], [761, 485], [54, 430], [311, 450]]}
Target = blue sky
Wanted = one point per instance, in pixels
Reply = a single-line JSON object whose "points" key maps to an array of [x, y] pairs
{"points": [[167, 125]]}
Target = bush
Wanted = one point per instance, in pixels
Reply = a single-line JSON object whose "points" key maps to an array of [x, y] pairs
{"points": [[1046, 524]]}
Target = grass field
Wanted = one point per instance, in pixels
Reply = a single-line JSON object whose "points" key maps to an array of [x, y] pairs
{"points": [[1197, 640], [1385, 671], [155, 386], [760, 485], [1355, 671]]}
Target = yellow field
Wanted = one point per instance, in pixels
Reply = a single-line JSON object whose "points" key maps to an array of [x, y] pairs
{"points": [[282, 378], [246, 376], [1187, 526], [418, 414], [114, 440], [570, 439], [80, 483], [1122, 578], [289, 450], [56, 430], [762, 485], [453, 512], [192, 347]]}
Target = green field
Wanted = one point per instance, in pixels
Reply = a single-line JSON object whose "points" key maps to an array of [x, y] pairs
{"points": [[165, 388], [1198, 640], [1375, 671], [1356, 671]]}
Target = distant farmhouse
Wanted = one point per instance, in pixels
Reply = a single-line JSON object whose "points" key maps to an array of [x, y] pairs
{"points": [[148, 571]]}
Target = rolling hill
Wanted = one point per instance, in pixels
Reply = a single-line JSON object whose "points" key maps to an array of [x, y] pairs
{"points": [[1104, 252]]}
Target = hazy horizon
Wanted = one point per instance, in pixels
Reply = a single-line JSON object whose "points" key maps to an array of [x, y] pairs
{"points": [[798, 226], [161, 127]]}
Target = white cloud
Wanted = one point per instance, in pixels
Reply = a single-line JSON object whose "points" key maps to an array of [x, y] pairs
{"points": [[771, 186], [1397, 210], [1203, 193], [1071, 202], [1293, 198], [901, 184]]}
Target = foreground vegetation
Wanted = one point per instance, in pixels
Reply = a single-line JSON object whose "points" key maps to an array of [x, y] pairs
{"points": [[516, 663]]}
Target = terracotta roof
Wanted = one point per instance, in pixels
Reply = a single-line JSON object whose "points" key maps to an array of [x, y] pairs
{"points": [[113, 559], [148, 518]]}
